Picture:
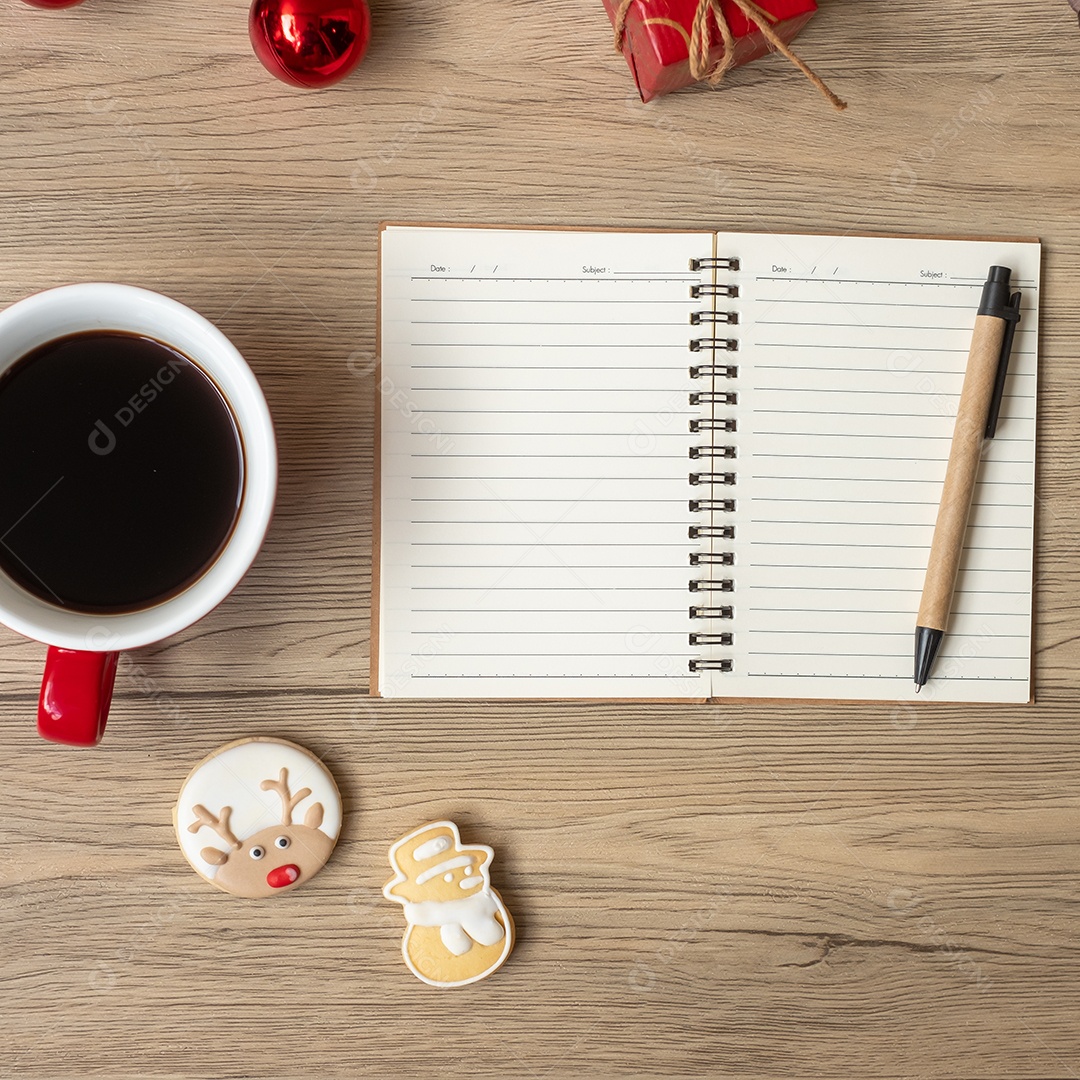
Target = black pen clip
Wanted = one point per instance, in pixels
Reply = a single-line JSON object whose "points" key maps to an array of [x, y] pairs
{"points": [[1011, 315]]}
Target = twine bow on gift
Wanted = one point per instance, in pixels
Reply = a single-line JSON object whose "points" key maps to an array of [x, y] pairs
{"points": [[701, 42]]}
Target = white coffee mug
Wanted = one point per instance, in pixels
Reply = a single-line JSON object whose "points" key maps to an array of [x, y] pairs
{"points": [[77, 686]]}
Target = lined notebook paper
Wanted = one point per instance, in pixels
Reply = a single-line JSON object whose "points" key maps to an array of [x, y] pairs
{"points": [[689, 466]]}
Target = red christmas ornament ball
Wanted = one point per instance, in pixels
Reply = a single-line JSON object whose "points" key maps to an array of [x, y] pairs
{"points": [[309, 42], [53, 3]]}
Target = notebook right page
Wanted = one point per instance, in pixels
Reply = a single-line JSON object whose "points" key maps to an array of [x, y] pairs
{"points": [[852, 355]]}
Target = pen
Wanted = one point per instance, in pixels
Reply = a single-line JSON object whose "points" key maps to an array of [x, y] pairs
{"points": [[976, 422]]}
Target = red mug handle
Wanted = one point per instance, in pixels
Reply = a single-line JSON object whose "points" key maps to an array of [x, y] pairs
{"points": [[76, 690]]}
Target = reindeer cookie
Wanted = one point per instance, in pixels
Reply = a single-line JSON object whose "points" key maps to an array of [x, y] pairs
{"points": [[258, 817], [458, 929]]}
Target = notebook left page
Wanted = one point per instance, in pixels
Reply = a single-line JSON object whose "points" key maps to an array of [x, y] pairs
{"points": [[534, 499]]}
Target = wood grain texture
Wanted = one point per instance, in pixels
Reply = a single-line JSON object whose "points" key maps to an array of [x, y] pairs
{"points": [[779, 890]]}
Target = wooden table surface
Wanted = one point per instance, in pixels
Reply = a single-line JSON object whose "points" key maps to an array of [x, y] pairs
{"points": [[772, 890]]}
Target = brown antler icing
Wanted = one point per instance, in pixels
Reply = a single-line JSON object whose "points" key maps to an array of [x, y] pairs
{"points": [[219, 824], [281, 786]]}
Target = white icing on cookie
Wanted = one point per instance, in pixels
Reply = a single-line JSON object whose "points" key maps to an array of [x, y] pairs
{"points": [[431, 848], [473, 914], [449, 864], [454, 938]]}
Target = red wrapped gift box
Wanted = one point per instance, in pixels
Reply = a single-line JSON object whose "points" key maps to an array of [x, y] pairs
{"points": [[659, 36]]}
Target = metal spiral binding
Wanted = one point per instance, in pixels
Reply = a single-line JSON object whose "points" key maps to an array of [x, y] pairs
{"points": [[713, 452], [698, 291], [714, 397], [709, 586], [726, 612], [712, 558], [720, 263], [718, 532], [711, 665], [714, 371]]}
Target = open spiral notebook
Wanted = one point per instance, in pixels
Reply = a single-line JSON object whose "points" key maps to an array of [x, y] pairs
{"points": [[689, 466]]}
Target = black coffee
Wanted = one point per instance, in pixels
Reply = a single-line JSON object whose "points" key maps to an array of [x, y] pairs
{"points": [[121, 472]]}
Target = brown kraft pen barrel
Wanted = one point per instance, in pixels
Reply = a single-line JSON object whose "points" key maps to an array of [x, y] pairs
{"points": [[962, 472]]}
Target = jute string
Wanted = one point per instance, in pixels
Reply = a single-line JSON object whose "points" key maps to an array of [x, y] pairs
{"points": [[701, 42]]}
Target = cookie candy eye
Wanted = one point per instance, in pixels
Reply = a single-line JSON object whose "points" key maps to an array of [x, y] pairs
{"points": [[282, 842], [257, 852]]}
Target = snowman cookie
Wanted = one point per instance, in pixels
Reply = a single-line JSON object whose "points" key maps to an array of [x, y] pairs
{"points": [[258, 817], [457, 928]]}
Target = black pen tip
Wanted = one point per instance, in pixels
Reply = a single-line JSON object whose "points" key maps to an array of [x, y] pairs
{"points": [[918, 687], [927, 641]]}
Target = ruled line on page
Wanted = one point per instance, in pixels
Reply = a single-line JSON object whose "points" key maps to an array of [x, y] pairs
{"points": [[868, 524], [867, 303], [969, 283], [856, 412], [535, 323], [861, 390], [561, 633], [876, 611], [901, 679], [636, 609], [849, 368], [576, 280], [546, 543], [832, 347], [869, 633], [848, 544], [679, 347], [863, 325], [880, 502], [461, 301], [844, 566]]}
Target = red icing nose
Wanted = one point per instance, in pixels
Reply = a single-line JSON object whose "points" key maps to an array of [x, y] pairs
{"points": [[281, 876]]}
